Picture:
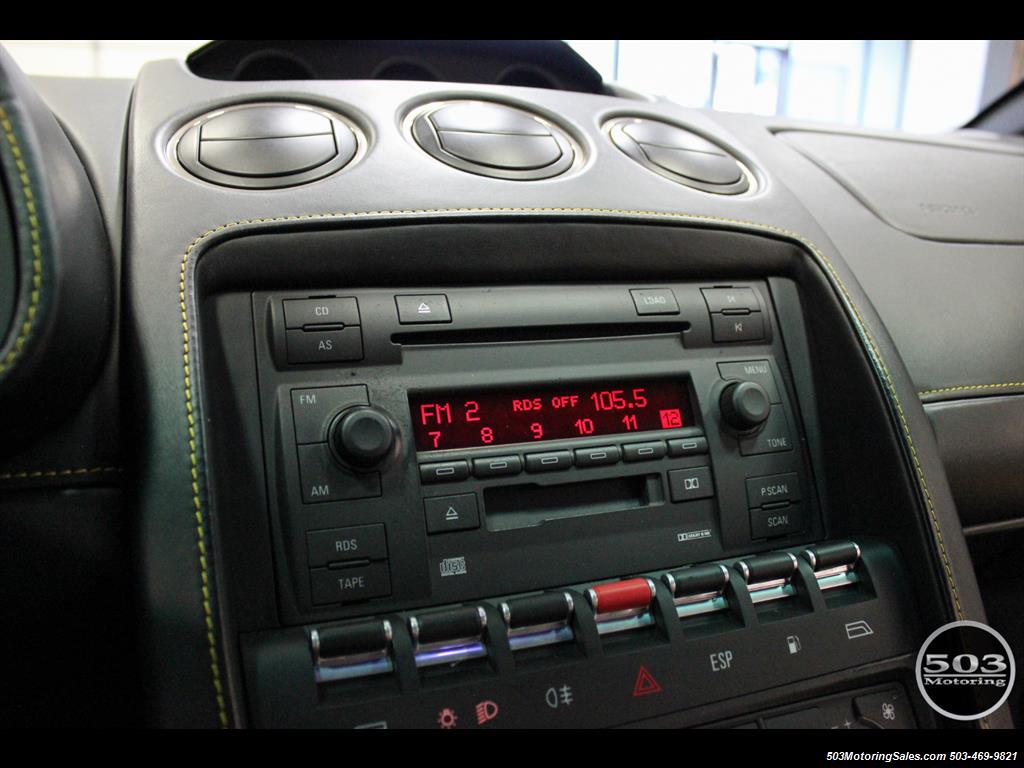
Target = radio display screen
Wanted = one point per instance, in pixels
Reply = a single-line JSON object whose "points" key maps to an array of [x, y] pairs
{"points": [[524, 414]]}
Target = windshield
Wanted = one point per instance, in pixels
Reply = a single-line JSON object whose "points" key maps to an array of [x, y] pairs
{"points": [[920, 86]]}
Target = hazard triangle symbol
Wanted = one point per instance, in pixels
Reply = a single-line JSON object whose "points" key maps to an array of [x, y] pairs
{"points": [[645, 683]]}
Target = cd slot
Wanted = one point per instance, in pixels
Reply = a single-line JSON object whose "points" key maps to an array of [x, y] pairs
{"points": [[525, 506], [434, 335]]}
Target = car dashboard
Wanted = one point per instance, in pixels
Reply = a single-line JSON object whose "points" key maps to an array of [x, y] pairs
{"points": [[380, 403]]}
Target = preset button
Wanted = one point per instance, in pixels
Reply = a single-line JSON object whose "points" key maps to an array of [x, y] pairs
{"points": [[444, 471], [644, 451], [548, 462], [595, 457], [495, 466]]}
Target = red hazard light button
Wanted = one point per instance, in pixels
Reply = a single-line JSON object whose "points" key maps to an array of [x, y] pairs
{"points": [[617, 596]]}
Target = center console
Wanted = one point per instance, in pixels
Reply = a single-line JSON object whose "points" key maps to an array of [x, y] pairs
{"points": [[560, 504], [451, 443]]}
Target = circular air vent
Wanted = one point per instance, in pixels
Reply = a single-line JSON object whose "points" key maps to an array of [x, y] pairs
{"points": [[679, 155], [492, 139], [265, 146]]}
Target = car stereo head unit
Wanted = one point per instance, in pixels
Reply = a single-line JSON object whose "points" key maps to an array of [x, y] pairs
{"points": [[427, 445]]}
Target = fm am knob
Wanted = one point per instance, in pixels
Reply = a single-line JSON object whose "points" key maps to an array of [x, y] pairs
{"points": [[364, 436]]}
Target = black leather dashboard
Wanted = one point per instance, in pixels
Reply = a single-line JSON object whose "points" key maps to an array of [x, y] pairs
{"points": [[927, 316]]}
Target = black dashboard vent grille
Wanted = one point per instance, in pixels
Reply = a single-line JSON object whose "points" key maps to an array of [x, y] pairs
{"points": [[533, 63]]}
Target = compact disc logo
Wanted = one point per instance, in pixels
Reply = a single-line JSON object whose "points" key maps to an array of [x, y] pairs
{"points": [[965, 670]]}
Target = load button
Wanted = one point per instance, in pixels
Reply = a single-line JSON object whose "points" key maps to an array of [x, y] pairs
{"points": [[655, 301]]}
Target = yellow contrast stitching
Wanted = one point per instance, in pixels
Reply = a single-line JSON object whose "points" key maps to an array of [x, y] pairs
{"points": [[32, 474], [37, 265], [211, 629], [876, 354], [969, 387]]}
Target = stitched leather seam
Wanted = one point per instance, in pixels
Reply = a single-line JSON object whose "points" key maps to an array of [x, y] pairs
{"points": [[31, 474], [969, 387], [197, 504], [872, 349], [37, 266]]}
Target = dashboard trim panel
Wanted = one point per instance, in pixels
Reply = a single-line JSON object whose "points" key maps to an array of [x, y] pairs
{"points": [[188, 310]]}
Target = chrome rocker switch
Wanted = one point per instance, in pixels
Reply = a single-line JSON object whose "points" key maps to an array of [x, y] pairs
{"points": [[698, 590], [449, 637], [352, 650], [769, 577], [538, 620]]}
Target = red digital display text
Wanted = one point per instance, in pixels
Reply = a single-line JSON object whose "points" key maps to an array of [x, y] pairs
{"points": [[473, 419]]}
